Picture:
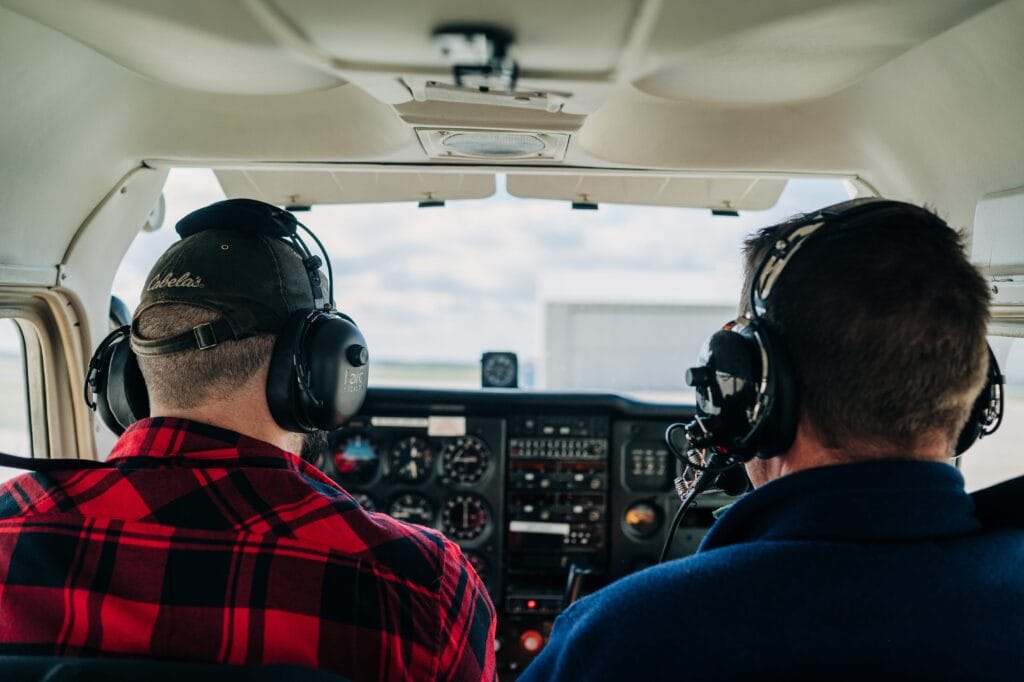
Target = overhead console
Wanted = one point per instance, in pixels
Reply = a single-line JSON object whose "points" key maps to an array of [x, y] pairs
{"points": [[547, 493]]}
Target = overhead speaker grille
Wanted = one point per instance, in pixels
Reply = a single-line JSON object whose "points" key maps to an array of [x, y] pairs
{"points": [[493, 144]]}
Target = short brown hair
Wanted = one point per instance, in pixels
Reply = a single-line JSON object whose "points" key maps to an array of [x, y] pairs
{"points": [[190, 378], [885, 326]]}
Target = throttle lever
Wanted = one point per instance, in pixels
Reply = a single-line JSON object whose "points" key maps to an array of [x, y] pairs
{"points": [[574, 584]]}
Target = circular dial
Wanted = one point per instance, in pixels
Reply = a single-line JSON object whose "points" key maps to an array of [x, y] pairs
{"points": [[642, 519], [365, 501], [412, 459], [412, 508], [478, 563], [500, 370], [465, 459], [356, 458], [465, 516]]}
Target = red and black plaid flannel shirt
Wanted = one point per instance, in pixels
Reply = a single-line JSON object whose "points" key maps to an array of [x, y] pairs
{"points": [[206, 545]]}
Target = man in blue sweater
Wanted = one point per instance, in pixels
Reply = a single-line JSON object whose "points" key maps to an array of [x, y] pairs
{"points": [[858, 554]]}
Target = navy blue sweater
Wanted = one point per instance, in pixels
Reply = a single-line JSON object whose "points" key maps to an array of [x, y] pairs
{"points": [[870, 568]]}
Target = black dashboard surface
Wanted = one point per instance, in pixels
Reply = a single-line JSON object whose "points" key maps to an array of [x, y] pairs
{"points": [[531, 485]]}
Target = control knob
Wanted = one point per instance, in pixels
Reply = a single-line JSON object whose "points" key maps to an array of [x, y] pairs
{"points": [[531, 641]]}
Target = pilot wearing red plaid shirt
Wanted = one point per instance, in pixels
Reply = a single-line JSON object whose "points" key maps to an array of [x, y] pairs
{"points": [[207, 538]]}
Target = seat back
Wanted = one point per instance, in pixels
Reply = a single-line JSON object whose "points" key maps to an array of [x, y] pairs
{"points": [[59, 669]]}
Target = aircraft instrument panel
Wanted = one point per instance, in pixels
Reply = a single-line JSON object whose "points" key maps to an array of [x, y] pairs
{"points": [[534, 487]]}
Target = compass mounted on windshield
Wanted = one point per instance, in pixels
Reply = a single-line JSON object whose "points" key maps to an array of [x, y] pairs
{"points": [[499, 370]]}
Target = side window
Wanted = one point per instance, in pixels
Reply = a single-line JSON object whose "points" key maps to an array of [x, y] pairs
{"points": [[1001, 456], [15, 432]]}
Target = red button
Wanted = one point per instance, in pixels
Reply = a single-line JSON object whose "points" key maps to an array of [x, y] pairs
{"points": [[531, 641]]}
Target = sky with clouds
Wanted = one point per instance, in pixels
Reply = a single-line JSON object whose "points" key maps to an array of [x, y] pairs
{"points": [[445, 284]]}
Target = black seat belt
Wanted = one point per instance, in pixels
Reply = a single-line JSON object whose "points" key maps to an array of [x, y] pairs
{"points": [[1001, 505], [44, 465]]}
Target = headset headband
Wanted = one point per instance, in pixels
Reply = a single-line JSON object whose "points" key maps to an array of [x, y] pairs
{"points": [[799, 230]]}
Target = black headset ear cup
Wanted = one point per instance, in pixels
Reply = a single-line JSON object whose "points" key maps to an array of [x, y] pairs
{"points": [[282, 378], [119, 391], [127, 396], [777, 429], [728, 390], [318, 372], [746, 404], [987, 411], [727, 383], [337, 360], [970, 433]]}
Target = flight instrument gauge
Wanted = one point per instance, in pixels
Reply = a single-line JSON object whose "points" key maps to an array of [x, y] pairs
{"points": [[499, 370], [356, 459], [412, 508], [465, 517], [365, 501], [465, 459], [642, 519], [412, 459]]}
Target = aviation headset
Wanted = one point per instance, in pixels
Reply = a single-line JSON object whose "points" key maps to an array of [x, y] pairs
{"points": [[318, 368], [747, 402]]}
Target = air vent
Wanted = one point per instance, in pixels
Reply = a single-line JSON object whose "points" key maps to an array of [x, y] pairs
{"points": [[495, 145]]}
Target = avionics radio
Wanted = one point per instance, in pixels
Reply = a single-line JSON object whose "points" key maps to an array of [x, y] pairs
{"points": [[557, 488]]}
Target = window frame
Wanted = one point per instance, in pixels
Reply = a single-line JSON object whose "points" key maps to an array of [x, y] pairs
{"points": [[18, 326], [60, 424]]}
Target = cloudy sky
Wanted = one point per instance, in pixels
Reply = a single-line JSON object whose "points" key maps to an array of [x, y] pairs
{"points": [[445, 284]]}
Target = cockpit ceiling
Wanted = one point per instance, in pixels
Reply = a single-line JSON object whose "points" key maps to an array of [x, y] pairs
{"points": [[725, 53], [916, 99]]}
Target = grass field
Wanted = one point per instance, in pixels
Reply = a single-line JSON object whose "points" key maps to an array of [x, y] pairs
{"points": [[440, 375]]}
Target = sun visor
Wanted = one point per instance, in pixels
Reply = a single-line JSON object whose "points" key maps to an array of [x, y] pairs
{"points": [[996, 245], [315, 187], [719, 194]]}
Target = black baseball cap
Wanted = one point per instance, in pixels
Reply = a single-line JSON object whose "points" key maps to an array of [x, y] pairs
{"points": [[240, 258]]}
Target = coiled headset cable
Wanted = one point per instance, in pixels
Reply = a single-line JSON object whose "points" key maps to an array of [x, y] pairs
{"points": [[704, 467]]}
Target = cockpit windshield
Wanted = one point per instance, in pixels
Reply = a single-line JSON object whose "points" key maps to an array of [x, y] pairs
{"points": [[614, 299]]}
